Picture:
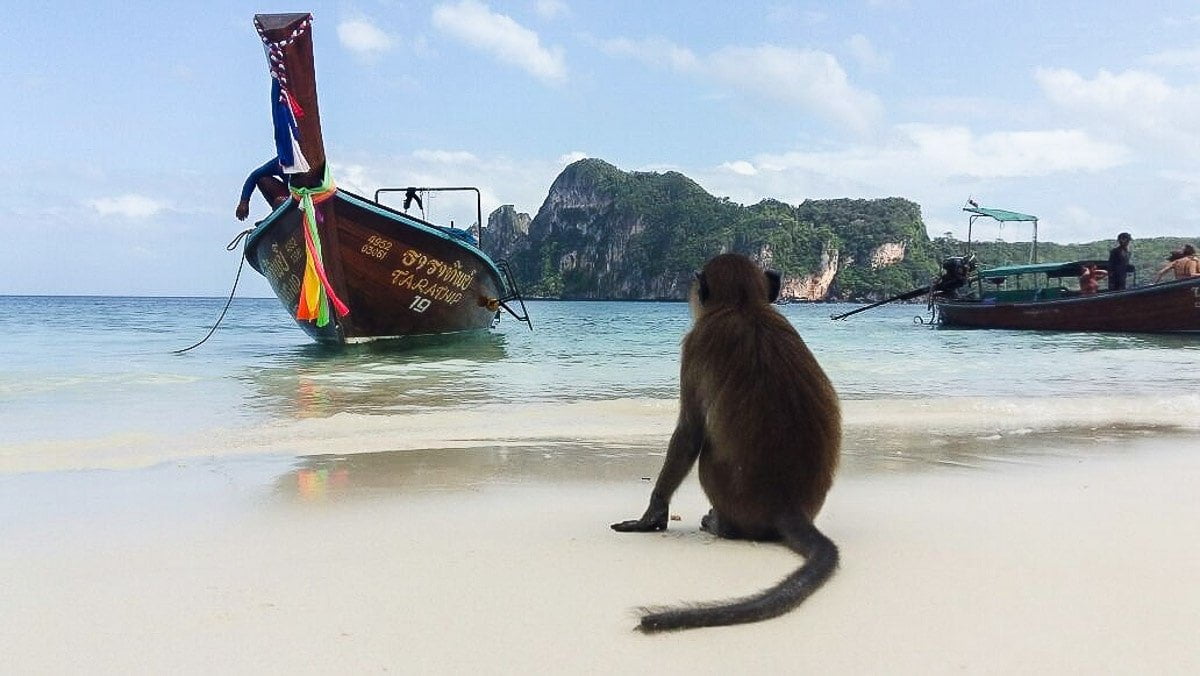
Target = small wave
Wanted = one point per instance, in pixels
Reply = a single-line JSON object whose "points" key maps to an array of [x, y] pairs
{"points": [[893, 424], [51, 384], [985, 415]]}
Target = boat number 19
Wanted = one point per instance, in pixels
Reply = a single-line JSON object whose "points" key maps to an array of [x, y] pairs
{"points": [[419, 304]]}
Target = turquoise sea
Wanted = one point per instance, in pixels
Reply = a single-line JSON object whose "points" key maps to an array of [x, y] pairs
{"points": [[92, 383]]}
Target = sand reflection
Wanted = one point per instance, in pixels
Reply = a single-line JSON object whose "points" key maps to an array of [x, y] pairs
{"points": [[435, 470], [867, 453]]}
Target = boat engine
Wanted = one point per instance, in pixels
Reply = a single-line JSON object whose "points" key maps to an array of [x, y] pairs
{"points": [[956, 272]]}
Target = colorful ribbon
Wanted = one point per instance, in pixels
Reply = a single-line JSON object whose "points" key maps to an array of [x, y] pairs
{"points": [[316, 292], [285, 110]]}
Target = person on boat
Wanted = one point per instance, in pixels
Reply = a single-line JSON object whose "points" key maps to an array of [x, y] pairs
{"points": [[269, 178], [1089, 281], [1185, 266], [1118, 262]]}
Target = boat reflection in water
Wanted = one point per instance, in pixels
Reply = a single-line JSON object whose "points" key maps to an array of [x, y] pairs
{"points": [[380, 377]]}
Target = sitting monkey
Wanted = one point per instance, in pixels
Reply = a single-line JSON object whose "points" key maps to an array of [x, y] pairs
{"points": [[763, 419]]}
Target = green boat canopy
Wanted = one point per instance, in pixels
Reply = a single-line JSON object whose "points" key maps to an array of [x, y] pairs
{"points": [[1059, 269], [1002, 215]]}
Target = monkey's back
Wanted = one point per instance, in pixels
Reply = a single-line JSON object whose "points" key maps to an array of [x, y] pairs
{"points": [[772, 420]]}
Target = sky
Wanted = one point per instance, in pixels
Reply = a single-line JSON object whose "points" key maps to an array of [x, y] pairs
{"points": [[126, 129]]}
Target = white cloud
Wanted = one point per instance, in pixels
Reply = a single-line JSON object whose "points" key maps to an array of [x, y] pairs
{"points": [[1133, 103], [777, 14], [812, 79], [363, 37], [1107, 90], [1186, 183], [500, 180], [573, 156], [499, 35], [938, 167], [127, 206], [1175, 58], [551, 9], [1176, 21], [445, 156], [957, 151], [937, 153], [652, 51], [867, 56], [740, 167], [923, 162], [356, 178]]}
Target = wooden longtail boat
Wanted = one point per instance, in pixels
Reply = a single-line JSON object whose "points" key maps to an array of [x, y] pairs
{"points": [[348, 268], [1038, 296]]}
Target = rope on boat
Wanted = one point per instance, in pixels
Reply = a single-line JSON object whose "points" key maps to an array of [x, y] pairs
{"points": [[241, 263]]}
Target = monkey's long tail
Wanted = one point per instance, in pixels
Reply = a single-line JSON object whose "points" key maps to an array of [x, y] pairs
{"points": [[821, 559]]}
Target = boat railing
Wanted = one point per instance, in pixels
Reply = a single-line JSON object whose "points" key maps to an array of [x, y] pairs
{"points": [[1035, 285], [413, 193]]}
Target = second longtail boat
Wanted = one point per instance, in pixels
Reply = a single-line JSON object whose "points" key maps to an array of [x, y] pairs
{"points": [[348, 268], [1057, 296]]}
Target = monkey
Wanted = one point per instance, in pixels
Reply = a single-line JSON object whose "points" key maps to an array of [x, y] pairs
{"points": [[763, 420]]}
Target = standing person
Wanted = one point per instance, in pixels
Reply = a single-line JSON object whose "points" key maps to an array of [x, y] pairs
{"points": [[1118, 262], [1184, 266], [271, 183]]}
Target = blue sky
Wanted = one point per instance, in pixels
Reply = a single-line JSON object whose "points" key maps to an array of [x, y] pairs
{"points": [[127, 128]]}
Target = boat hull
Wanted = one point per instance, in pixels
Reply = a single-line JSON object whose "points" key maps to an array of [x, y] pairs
{"points": [[1162, 308], [398, 275]]}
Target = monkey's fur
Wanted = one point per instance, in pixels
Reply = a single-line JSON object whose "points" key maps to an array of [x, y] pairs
{"points": [[763, 419]]}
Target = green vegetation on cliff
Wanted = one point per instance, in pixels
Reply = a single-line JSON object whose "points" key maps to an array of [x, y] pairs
{"points": [[607, 233]]}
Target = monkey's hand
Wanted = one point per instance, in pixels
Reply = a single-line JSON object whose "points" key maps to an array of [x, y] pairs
{"points": [[655, 519]]}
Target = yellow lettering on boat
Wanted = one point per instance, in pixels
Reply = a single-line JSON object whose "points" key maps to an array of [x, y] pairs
{"points": [[426, 287], [451, 274], [294, 248], [276, 264], [377, 247]]}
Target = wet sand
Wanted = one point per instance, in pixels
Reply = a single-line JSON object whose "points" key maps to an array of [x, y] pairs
{"points": [[1080, 558]]}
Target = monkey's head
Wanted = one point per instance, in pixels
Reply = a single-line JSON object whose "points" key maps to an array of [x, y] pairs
{"points": [[733, 279]]}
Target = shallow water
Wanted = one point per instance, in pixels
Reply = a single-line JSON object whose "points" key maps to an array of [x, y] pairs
{"points": [[93, 382]]}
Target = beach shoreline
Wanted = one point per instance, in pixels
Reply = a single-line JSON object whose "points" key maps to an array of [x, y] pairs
{"points": [[895, 426], [502, 562]]}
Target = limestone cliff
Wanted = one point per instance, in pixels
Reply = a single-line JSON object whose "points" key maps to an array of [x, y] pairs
{"points": [[888, 253], [812, 286], [507, 233], [609, 234]]}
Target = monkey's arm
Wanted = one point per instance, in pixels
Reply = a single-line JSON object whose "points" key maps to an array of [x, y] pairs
{"points": [[682, 452]]}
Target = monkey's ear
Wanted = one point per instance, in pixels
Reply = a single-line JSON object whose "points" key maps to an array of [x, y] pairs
{"points": [[774, 282], [702, 285]]}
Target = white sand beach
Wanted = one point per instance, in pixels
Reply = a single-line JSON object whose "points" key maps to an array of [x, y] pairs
{"points": [[1072, 562]]}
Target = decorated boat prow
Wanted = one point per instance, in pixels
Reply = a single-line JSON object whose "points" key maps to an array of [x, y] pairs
{"points": [[347, 267]]}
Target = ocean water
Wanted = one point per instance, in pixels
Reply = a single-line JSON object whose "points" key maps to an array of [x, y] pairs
{"points": [[93, 383]]}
